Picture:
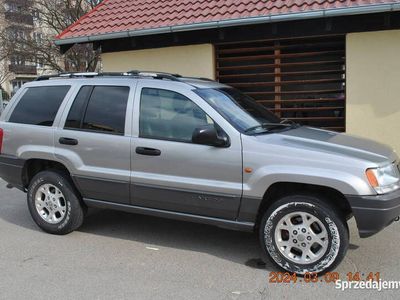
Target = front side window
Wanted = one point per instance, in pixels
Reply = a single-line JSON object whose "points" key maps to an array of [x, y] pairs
{"points": [[104, 111], [168, 115], [39, 105]]}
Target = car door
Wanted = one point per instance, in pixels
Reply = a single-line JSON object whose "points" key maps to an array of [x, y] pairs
{"points": [[94, 140], [171, 173]]}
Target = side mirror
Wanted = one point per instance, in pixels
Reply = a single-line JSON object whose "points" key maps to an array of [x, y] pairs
{"points": [[208, 135]]}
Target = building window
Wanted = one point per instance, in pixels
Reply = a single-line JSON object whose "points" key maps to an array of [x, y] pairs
{"points": [[36, 15], [38, 37], [17, 60], [16, 34], [16, 85], [39, 63], [12, 7]]}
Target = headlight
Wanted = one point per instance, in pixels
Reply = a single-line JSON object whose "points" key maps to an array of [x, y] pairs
{"points": [[385, 179]]}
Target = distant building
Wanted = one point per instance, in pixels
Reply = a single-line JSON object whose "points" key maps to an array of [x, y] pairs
{"points": [[20, 19]]}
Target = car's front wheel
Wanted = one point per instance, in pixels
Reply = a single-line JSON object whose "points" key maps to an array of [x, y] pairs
{"points": [[302, 234], [53, 202]]}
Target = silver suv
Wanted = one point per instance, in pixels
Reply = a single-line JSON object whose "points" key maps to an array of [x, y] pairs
{"points": [[195, 150]]}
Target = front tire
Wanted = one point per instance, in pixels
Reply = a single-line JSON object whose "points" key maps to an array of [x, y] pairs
{"points": [[302, 234], [54, 203]]}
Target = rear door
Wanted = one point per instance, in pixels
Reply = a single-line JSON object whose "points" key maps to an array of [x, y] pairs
{"points": [[94, 140], [172, 173]]}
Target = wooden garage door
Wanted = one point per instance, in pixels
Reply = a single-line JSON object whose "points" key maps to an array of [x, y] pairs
{"points": [[300, 79]]}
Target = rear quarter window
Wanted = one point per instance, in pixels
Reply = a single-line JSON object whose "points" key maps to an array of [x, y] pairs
{"points": [[39, 105]]}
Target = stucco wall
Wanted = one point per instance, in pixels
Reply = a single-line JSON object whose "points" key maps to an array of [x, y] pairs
{"points": [[373, 86], [192, 60]]}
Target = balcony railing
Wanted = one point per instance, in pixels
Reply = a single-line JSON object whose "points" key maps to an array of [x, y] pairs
{"points": [[20, 4], [19, 17], [22, 69]]}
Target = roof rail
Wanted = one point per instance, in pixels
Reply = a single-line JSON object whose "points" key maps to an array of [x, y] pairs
{"points": [[133, 73], [200, 78], [80, 74], [156, 75]]}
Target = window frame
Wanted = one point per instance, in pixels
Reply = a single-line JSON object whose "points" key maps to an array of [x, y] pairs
{"points": [[217, 127], [86, 104]]}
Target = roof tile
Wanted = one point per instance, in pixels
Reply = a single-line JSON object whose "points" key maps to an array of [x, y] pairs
{"points": [[124, 15]]}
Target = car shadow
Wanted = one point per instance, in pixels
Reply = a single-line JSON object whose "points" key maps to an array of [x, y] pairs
{"points": [[239, 247], [236, 246]]}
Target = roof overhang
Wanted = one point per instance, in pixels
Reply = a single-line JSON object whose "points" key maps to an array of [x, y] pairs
{"points": [[349, 11]]}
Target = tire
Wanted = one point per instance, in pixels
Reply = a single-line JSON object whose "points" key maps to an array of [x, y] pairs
{"points": [[54, 203], [316, 245]]}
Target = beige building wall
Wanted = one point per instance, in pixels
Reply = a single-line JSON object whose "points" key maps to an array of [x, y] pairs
{"points": [[373, 86], [192, 60]]}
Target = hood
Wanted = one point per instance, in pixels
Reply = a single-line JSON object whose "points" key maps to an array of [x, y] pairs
{"points": [[315, 139]]}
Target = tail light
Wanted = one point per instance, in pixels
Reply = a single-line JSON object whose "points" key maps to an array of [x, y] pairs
{"points": [[1, 138]]}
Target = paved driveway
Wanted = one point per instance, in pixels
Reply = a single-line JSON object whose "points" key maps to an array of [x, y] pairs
{"points": [[122, 256]]}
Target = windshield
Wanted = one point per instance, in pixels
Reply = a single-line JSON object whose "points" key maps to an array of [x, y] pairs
{"points": [[241, 111]]}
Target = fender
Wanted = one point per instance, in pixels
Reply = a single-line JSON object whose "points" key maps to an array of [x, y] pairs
{"points": [[266, 176], [29, 152], [259, 182]]}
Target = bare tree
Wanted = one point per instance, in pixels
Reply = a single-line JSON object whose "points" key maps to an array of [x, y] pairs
{"points": [[57, 15], [4, 70], [37, 46], [5, 51]]}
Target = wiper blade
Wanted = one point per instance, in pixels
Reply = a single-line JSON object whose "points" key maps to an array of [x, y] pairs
{"points": [[292, 123], [268, 126], [287, 121]]}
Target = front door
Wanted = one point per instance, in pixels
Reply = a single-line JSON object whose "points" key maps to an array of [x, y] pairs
{"points": [[171, 173]]}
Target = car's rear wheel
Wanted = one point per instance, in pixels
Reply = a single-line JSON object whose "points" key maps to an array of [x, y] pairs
{"points": [[54, 204], [302, 234]]}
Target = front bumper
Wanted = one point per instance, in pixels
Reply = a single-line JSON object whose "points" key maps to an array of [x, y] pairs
{"points": [[373, 213], [11, 170]]}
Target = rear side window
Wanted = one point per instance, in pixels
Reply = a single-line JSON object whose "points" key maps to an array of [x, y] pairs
{"points": [[39, 105], [103, 112], [78, 108]]}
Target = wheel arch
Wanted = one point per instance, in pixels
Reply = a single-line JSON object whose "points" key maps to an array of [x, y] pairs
{"points": [[35, 165], [278, 190]]}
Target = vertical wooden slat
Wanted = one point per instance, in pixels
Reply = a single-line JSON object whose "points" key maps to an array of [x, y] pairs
{"points": [[277, 71]]}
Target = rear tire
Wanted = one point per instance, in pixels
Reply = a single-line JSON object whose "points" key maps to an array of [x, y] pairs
{"points": [[302, 234], [54, 203]]}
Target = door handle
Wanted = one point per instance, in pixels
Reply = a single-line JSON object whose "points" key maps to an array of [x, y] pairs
{"points": [[68, 141], [148, 151]]}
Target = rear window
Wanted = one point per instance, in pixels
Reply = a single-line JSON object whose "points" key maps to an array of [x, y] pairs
{"points": [[39, 105]]}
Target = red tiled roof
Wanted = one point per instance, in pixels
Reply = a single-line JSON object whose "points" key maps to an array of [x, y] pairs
{"points": [[113, 16]]}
